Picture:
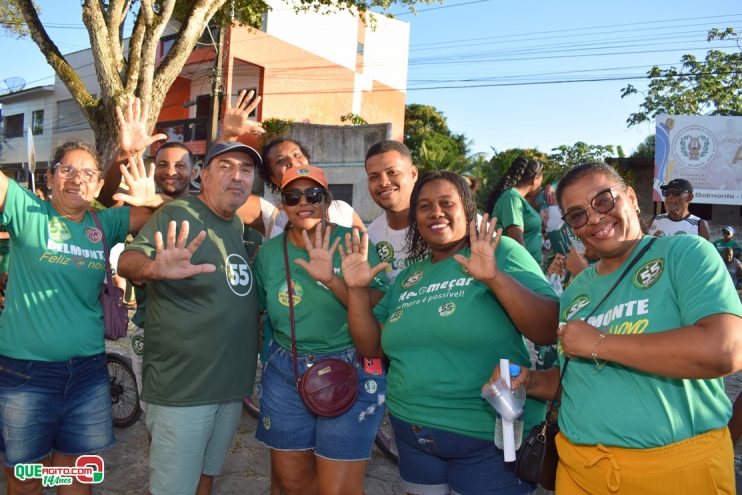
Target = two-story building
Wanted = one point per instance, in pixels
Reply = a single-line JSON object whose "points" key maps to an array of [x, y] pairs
{"points": [[311, 69]]}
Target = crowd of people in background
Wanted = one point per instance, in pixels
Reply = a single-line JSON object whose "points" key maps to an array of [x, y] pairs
{"points": [[422, 303]]}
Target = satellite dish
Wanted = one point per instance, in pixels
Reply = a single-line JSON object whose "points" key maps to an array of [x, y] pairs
{"points": [[14, 84]]}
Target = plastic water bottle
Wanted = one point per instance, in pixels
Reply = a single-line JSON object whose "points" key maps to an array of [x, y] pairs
{"points": [[520, 396]]}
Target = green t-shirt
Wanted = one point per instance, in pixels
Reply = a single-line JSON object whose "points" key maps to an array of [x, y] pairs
{"points": [[444, 332], [680, 280], [512, 209], [720, 244], [320, 319], [202, 332], [52, 311]]}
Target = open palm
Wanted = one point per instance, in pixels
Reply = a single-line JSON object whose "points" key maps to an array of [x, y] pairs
{"points": [[357, 272], [173, 260], [320, 266], [133, 135], [481, 263], [236, 121]]}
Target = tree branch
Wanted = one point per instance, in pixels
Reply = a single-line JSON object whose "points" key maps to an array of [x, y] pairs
{"points": [[115, 15], [135, 55], [196, 21], [66, 73], [106, 67]]}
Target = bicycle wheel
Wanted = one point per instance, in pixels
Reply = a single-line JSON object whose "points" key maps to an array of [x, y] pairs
{"points": [[252, 404], [385, 440], [124, 395]]}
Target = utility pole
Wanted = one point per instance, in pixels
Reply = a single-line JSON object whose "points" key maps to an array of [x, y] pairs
{"points": [[216, 89]]}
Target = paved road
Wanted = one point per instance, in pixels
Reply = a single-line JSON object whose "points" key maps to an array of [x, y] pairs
{"points": [[246, 472]]}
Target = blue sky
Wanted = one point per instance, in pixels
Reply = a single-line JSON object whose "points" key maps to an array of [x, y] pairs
{"points": [[483, 63]]}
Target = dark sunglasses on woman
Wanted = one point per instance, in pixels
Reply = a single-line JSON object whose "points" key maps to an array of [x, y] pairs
{"points": [[314, 195]]}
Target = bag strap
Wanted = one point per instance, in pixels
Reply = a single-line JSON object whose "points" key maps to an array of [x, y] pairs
{"points": [[555, 401], [290, 290], [106, 252]]}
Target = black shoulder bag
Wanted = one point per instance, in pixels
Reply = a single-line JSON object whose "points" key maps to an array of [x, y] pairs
{"points": [[538, 457]]}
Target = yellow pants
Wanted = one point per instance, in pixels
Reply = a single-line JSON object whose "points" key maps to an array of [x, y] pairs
{"points": [[700, 465]]}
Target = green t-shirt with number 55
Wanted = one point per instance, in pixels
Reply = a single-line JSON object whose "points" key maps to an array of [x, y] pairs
{"points": [[202, 332]]}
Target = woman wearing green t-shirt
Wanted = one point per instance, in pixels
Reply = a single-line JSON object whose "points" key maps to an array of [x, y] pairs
{"points": [[643, 408], [508, 203], [312, 454], [443, 324]]}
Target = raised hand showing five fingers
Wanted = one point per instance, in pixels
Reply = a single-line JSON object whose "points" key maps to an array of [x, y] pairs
{"points": [[173, 260], [320, 266], [357, 272], [141, 184], [133, 135], [481, 263], [236, 121]]}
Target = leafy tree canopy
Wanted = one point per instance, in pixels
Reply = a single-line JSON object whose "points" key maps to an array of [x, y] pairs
{"points": [[433, 145], [712, 86]]}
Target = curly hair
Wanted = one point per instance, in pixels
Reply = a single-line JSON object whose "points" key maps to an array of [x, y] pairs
{"points": [[68, 146], [521, 171], [264, 168], [416, 245]]}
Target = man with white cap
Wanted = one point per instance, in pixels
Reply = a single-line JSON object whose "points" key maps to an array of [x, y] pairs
{"points": [[678, 194], [727, 241], [202, 323]]}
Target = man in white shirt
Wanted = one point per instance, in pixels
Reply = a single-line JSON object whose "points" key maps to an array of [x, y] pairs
{"points": [[678, 194], [391, 177]]}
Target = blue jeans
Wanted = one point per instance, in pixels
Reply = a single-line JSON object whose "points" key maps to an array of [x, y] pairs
{"points": [[286, 424], [437, 462], [63, 406]]}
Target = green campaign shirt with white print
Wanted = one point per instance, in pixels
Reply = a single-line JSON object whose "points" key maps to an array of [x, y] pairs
{"points": [[202, 331], [52, 311], [444, 332], [321, 320], [512, 209], [680, 280]]}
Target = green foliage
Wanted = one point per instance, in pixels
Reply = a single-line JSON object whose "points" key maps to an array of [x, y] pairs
{"points": [[11, 20], [433, 145], [645, 149], [244, 12], [353, 118], [274, 128], [566, 156], [712, 86]]}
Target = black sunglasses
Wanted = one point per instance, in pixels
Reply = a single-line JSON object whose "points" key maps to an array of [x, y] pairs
{"points": [[673, 192], [603, 202], [314, 195]]}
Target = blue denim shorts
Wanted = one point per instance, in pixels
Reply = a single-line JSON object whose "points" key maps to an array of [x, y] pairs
{"points": [[286, 424], [437, 462], [62, 406]]}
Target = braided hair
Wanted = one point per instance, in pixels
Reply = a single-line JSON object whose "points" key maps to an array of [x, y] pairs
{"points": [[522, 171]]}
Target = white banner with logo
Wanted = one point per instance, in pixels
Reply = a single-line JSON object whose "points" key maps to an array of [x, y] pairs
{"points": [[706, 151]]}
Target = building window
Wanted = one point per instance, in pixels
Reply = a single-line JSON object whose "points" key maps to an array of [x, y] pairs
{"points": [[342, 192], [37, 122], [13, 125], [70, 117]]}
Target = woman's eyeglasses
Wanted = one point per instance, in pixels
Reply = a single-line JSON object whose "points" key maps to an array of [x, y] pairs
{"points": [[673, 192], [603, 202], [68, 172], [314, 195]]}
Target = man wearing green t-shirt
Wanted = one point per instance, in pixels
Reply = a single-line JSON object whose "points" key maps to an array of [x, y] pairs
{"points": [[727, 241], [202, 315]]}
